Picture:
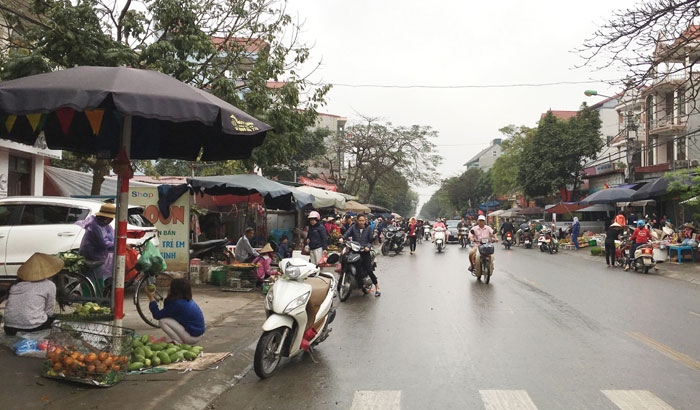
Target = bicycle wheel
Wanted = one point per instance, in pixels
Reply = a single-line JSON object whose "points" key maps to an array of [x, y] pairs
{"points": [[73, 288], [162, 283]]}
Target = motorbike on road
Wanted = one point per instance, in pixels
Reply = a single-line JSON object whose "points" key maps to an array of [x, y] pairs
{"points": [[426, 233], [508, 240], [300, 309], [440, 239], [526, 237], [483, 261], [394, 240], [464, 236], [643, 258], [352, 273], [548, 242]]}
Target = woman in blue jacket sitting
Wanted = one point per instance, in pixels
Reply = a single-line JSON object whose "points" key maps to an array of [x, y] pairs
{"points": [[181, 319]]}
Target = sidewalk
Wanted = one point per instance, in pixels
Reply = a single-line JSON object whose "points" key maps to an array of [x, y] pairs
{"points": [[233, 325], [687, 271]]}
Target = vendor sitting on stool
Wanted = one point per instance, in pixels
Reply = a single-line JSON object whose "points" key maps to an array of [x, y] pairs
{"points": [[181, 319], [32, 298], [265, 260], [244, 250]]}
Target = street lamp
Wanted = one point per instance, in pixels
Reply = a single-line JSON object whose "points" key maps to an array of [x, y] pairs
{"points": [[592, 93]]}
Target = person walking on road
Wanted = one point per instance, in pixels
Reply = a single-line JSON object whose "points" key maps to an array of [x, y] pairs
{"points": [[575, 229], [611, 234], [317, 238], [412, 234]]}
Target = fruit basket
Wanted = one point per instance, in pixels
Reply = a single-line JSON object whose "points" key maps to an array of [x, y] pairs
{"points": [[88, 312], [85, 352]]}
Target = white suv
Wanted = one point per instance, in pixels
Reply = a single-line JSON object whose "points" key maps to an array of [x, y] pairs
{"points": [[46, 224]]}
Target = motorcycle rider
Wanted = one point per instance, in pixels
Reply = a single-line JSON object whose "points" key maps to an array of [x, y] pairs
{"points": [[360, 232], [462, 224], [640, 236], [522, 229], [439, 224], [479, 232], [507, 227]]}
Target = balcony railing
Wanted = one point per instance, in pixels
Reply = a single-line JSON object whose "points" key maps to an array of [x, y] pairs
{"points": [[675, 78], [667, 124]]}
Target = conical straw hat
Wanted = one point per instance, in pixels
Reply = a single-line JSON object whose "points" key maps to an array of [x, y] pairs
{"points": [[40, 266], [267, 248]]}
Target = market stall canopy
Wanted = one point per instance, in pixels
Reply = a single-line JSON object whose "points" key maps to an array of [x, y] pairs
{"points": [[598, 208], [81, 109], [67, 182], [276, 195], [659, 187], [497, 213], [356, 207], [565, 208], [378, 209], [324, 199], [486, 205], [511, 212], [609, 196], [532, 210]]}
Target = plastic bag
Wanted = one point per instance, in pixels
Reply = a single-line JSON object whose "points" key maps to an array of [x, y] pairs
{"points": [[25, 346], [151, 260]]}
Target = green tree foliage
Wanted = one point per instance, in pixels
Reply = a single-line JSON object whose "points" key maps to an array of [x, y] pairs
{"points": [[439, 205], [685, 185], [394, 192], [233, 48], [468, 190], [504, 172], [553, 155]]}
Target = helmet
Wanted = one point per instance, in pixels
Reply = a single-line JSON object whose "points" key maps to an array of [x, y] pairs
{"points": [[315, 215], [481, 218], [640, 223]]}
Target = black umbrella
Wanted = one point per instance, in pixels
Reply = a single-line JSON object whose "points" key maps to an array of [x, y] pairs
{"points": [[659, 187], [82, 109], [125, 113], [608, 196]]}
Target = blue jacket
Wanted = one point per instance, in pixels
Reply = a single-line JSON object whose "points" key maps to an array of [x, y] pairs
{"points": [[575, 229], [317, 236], [364, 238], [186, 312]]}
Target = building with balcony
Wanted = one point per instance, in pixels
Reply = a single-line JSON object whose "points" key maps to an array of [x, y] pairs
{"points": [[670, 120], [331, 168]]}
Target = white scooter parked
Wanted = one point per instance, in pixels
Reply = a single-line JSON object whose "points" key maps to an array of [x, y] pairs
{"points": [[439, 238], [299, 308]]}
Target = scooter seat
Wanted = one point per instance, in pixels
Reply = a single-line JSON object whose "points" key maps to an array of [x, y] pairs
{"points": [[208, 244], [319, 290]]}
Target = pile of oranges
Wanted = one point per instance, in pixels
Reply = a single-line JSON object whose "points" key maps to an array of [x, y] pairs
{"points": [[70, 362]]}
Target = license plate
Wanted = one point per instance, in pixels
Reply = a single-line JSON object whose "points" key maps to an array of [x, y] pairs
{"points": [[527, 241]]}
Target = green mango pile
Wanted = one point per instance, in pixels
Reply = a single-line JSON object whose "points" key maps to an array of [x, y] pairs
{"points": [[145, 354]]}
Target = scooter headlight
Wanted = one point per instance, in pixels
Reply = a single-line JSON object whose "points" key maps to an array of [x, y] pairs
{"points": [[268, 299], [300, 301], [293, 272]]}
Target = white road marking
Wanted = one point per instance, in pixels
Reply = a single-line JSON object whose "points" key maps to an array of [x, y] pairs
{"points": [[636, 400], [507, 400], [376, 400], [694, 313]]}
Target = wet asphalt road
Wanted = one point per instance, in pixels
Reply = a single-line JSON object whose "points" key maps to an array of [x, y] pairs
{"points": [[549, 332]]}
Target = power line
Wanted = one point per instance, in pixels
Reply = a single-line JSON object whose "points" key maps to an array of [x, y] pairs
{"points": [[462, 86]]}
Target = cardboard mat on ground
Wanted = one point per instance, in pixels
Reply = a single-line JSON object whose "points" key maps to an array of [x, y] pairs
{"points": [[204, 362]]}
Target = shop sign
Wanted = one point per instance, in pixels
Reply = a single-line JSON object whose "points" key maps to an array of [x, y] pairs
{"points": [[174, 231], [600, 169]]}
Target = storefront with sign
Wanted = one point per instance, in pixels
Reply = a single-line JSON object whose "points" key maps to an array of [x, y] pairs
{"points": [[173, 229], [22, 167], [603, 176]]}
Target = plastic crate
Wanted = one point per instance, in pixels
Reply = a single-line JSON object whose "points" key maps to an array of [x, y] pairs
{"points": [[85, 352], [240, 279]]}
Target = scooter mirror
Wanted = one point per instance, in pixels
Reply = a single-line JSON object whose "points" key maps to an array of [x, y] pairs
{"points": [[333, 259]]}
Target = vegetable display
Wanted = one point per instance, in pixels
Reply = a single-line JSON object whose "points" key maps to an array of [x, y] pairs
{"points": [[145, 353]]}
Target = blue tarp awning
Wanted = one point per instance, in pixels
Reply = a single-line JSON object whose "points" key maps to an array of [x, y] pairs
{"points": [[491, 205]]}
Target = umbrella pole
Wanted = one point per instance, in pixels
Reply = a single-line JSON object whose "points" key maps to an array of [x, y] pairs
{"points": [[122, 214]]}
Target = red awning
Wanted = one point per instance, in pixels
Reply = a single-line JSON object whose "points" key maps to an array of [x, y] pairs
{"points": [[565, 208]]}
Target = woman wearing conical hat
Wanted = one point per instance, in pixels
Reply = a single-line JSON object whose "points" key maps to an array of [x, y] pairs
{"points": [[30, 305]]}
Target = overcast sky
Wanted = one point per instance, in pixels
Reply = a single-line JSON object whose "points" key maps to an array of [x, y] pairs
{"points": [[449, 43]]}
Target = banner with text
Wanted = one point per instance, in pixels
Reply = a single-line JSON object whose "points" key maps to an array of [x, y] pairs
{"points": [[174, 231]]}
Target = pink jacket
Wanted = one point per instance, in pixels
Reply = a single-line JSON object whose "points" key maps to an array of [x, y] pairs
{"points": [[264, 268]]}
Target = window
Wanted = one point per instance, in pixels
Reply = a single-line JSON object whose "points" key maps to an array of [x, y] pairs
{"points": [[9, 214], [77, 214], [495, 154], [136, 218], [681, 102], [44, 215], [680, 149]]}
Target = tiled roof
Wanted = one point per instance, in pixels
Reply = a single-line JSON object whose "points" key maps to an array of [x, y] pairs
{"points": [[562, 115]]}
